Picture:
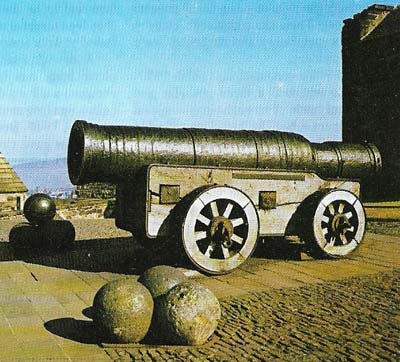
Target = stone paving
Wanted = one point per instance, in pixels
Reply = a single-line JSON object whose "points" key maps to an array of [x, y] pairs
{"points": [[350, 320], [280, 305]]}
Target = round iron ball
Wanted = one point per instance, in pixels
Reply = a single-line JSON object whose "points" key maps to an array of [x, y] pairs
{"points": [[161, 278], [188, 314], [123, 310], [39, 209]]}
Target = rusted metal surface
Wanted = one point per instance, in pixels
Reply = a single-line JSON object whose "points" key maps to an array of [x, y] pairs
{"points": [[267, 200], [39, 209], [169, 194], [347, 160], [114, 153]]}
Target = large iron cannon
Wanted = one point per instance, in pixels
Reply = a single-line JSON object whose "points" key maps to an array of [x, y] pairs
{"points": [[114, 153], [221, 190]]}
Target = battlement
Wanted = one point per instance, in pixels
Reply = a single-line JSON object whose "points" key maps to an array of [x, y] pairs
{"points": [[375, 21]]}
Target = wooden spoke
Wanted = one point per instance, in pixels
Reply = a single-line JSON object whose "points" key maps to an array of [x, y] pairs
{"points": [[343, 239], [214, 209], [332, 241], [206, 221], [349, 214], [199, 235], [228, 210], [237, 239], [209, 250], [237, 222], [225, 252], [325, 219]]}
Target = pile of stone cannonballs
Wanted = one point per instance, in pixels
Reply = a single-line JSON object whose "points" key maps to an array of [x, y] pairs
{"points": [[163, 306]]}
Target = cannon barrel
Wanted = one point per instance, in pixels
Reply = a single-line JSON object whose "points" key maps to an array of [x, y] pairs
{"points": [[114, 153]]}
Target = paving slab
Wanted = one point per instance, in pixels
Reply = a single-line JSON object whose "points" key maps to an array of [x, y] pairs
{"points": [[43, 299]]}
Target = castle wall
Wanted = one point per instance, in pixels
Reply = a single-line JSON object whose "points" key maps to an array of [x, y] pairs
{"points": [[371, 90]]}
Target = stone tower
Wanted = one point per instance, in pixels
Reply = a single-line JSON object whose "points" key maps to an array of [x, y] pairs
{"points": [[371, 90]]}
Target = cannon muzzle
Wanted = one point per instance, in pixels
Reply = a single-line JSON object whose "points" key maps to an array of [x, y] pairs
{"points": [[115, 153]]}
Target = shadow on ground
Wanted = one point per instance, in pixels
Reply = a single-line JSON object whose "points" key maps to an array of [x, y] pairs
{"points": [[82, 331], [54, 246], [279, 248], [116, 255], [51, 235], [77, 330], [86, 332]]}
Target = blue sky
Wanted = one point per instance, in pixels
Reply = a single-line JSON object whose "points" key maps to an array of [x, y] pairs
{"points": [[218, 64]]}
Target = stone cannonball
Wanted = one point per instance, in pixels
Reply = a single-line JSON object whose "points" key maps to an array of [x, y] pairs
{"points": [[39, 208], [123, 310], [188, 314], [161, 278]]}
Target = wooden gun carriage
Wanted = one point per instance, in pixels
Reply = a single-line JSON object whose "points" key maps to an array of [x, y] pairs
{"points": [[216, 192]]}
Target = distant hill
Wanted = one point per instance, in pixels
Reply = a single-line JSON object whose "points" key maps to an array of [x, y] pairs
{"points": [[49, 174]]}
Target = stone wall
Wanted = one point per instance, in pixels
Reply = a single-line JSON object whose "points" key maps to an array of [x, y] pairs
{"points": [[96, 191], [10, 206], [371, 90], [84, 209]]}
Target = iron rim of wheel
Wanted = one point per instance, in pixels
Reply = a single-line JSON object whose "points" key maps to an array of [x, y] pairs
{"points": [[220, 229], [339, 223]]}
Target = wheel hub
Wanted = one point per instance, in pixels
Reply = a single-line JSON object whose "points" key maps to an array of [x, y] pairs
{"points": [[221, 231], [340, 223]]}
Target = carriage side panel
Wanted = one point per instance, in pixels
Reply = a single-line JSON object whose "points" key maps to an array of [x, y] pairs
{"points": [[275, 194]]}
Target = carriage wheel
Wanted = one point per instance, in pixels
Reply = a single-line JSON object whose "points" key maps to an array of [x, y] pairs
{"points": [[220, 229], [338, 224]]}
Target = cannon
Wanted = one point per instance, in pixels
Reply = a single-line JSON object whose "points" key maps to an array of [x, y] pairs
{"points": [[219, 191]]}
